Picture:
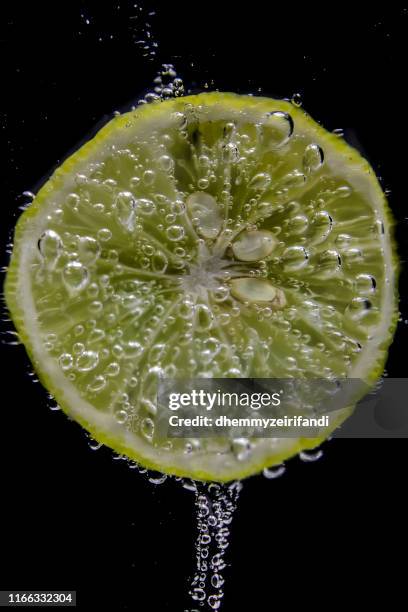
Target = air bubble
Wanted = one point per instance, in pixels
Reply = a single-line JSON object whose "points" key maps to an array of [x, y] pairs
{"points": [[298, 224], [148, 249], [260, 182], [203, 183], [170, 218], [310, 456], [134, 182], [204, 161], [292, 180], [104, 234], [157, 353], [358, 308], [94, 444], [89, 249], [50, 246], [296, 100], [72, 200], [229, 130], [205, 214], [125, 206], [159, 262], [221, 293], [179, 252], [157, 480], [145, 206], [75, 277], [203, 318], [211, 348], [186, 309], [117, 351], [295, 258], [121, 416], [78, 348], [217, 581], [312, 158], [365, 284], [86, 361], [274, 472], [198, 594], [329, 262], [180, 119], [175, 233], [66, 361], [231, 153], [132, 349], [147, 427], [277, 128], [97, 384], [151, 98], [148, 177], [321, 226], [112, 369], [166, 162]]}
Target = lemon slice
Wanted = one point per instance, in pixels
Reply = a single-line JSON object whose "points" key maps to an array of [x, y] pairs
{"points": [[214, 235]]}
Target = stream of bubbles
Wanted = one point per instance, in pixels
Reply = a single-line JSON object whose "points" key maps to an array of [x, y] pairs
{"points": [[215, 505]]}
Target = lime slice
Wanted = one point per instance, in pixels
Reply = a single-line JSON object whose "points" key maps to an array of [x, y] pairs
{"points": [[215, 235]]}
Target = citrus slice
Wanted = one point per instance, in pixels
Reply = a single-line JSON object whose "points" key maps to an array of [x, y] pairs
{"points": [[214, 235]]}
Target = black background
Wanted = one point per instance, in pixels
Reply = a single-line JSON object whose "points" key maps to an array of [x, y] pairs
{"points": [[334, 530]]}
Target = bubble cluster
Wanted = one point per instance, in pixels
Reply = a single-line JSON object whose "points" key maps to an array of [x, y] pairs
{"points": [[215, 507], [167, 84]]}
